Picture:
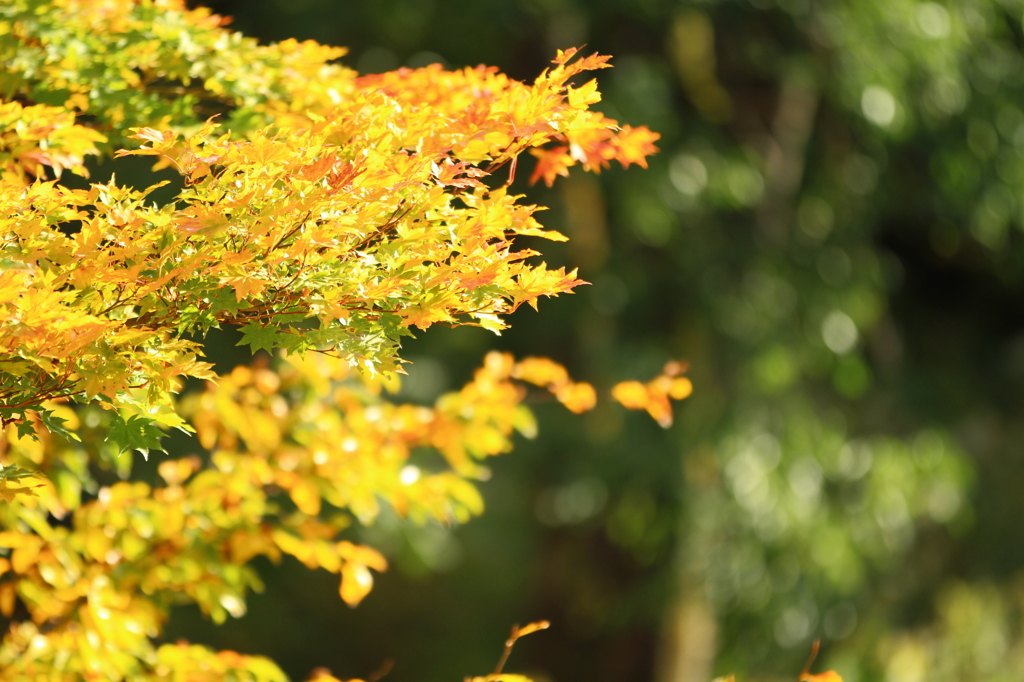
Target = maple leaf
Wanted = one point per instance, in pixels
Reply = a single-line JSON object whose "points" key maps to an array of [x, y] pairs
{"points": [[8, 494], [539, 281], [318, 168], [448, 174], [563, 56], [245, 287], [13, 472], [630, 394], [27, 429], [259, 336], [551, 163], [424, 316], [135, 433], [585, 95], [152, 135], [635, 145], [55, 424]]}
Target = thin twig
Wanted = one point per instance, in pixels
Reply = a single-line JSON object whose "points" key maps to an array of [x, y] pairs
{"points": [[380, 672], [518, 632], [810, 660]]}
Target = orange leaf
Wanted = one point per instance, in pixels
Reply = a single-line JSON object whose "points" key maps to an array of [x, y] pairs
{"points": [[551, 163], [321, 675], [659, 408], [532, 627], [7, 596], [635, 145]]}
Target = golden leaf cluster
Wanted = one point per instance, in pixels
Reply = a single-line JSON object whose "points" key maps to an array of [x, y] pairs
{"points": [[360, 214], [295, 456], [656, 395]]}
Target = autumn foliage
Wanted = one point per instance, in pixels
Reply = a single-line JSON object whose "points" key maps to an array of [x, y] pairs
{"points": [[325, 215]]}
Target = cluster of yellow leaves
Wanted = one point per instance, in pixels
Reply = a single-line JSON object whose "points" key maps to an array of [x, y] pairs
{"points": [[656, 394], [294, 455], [363, 210], [591, 140], [350, 448], [39, 137], [29, 654], [577, 396]]}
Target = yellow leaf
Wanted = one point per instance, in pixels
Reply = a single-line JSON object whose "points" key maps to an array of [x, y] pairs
{"points": [[586, 94], [306, 497], [532, 627], [177, 471], [299, 549], [630, 394], [680, 388], [246, 544], [540, 372], [245, 287], [356, 582], [24, 557], [363, 555], [327, 556], [578, 398]]}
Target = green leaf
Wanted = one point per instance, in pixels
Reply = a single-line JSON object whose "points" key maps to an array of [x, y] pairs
{"points": [[27, 430], [258, 336], [137, 433], [192, 319], [56, 425], [14, 473]]}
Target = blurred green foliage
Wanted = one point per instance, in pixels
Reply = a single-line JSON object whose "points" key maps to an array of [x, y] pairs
{"points": [[832, 237]]}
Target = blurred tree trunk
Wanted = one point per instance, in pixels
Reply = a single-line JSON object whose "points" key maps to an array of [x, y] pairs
{"points": [[689, 643]]}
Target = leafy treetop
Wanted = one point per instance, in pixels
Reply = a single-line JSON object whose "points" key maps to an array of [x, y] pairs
{"points": [[340, 227]]}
